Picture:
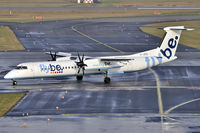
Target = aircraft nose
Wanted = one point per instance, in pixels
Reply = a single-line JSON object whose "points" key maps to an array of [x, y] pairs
{"points": [[8, 75]]}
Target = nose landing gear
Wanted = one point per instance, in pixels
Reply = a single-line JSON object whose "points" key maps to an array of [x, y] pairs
{"points": [[14, 82]]}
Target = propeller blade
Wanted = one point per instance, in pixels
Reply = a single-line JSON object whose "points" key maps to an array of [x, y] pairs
{"points": [[83, 69], [82, 58], [81, 64], [79, 57], [79, 70], [54, 57], [51, 55]]}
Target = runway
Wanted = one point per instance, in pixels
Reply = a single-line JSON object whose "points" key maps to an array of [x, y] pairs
{"points": [[164, 98]]}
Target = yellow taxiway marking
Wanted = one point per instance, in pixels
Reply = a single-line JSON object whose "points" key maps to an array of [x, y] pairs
{"points": [[158, 91], [159, 99], [89, 37], [179, 105]]}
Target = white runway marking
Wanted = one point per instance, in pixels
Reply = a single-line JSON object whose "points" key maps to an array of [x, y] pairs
{"points": [[168, 8]]}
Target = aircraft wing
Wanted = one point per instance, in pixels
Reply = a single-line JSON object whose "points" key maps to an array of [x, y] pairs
{"points": [[103, 59], [116, 59], [107, 63], [101, 68]]}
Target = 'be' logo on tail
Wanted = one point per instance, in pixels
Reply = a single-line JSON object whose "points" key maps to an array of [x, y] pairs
{"points": [[172, 44]]}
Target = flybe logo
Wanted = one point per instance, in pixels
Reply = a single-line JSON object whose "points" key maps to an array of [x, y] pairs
{"points": [[152, 61], [53, 69], [172, 44]]}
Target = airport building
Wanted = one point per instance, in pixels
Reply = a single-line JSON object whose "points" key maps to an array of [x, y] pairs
{"points": [[87, 1]]}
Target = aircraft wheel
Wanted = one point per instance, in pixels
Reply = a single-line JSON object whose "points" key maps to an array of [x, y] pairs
{"points": [[14, 82], [79, 77], [106, 80]]}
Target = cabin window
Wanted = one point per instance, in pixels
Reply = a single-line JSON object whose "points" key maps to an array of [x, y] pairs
{"points": [[68, 67], [65, 67], [72, 67], [21, 67]]}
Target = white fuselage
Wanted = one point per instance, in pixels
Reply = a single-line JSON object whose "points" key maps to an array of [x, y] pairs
{"points": [[51, 69]]}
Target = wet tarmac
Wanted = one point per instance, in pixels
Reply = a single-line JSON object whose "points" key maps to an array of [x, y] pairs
{"points": [[100, 123], [138, 101], [129, 102], [120, 33], [106, 100]]}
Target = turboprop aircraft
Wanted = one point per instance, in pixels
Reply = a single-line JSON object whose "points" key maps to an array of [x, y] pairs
{"points": [[65, 65]]}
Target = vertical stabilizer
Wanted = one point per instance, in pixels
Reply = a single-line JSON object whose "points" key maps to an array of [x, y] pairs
{"points": [[170, 42]]}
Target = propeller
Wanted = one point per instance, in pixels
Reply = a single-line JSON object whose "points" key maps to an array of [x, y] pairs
{"points": [[81, 64], [53, 56]]}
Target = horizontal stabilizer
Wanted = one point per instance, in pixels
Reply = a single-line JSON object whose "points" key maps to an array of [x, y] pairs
{"points": [[177, 28]]}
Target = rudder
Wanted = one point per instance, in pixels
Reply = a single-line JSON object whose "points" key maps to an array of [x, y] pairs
{"points": [[170, 42]]}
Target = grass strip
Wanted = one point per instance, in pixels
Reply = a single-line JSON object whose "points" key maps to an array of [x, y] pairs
{"points": [[7, 101], [101, 3], [8, 40], [29, 15], [188, 38]]}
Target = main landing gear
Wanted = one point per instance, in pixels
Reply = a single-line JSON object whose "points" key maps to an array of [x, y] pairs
{"points": [[106, 79], [14, 82], [79, 77]]}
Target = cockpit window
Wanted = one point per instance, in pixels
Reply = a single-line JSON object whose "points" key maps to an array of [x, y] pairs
{"points": [[21, 67]]}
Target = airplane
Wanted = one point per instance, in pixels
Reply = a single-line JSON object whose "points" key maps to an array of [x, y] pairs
{"points": [[64, 64]]}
